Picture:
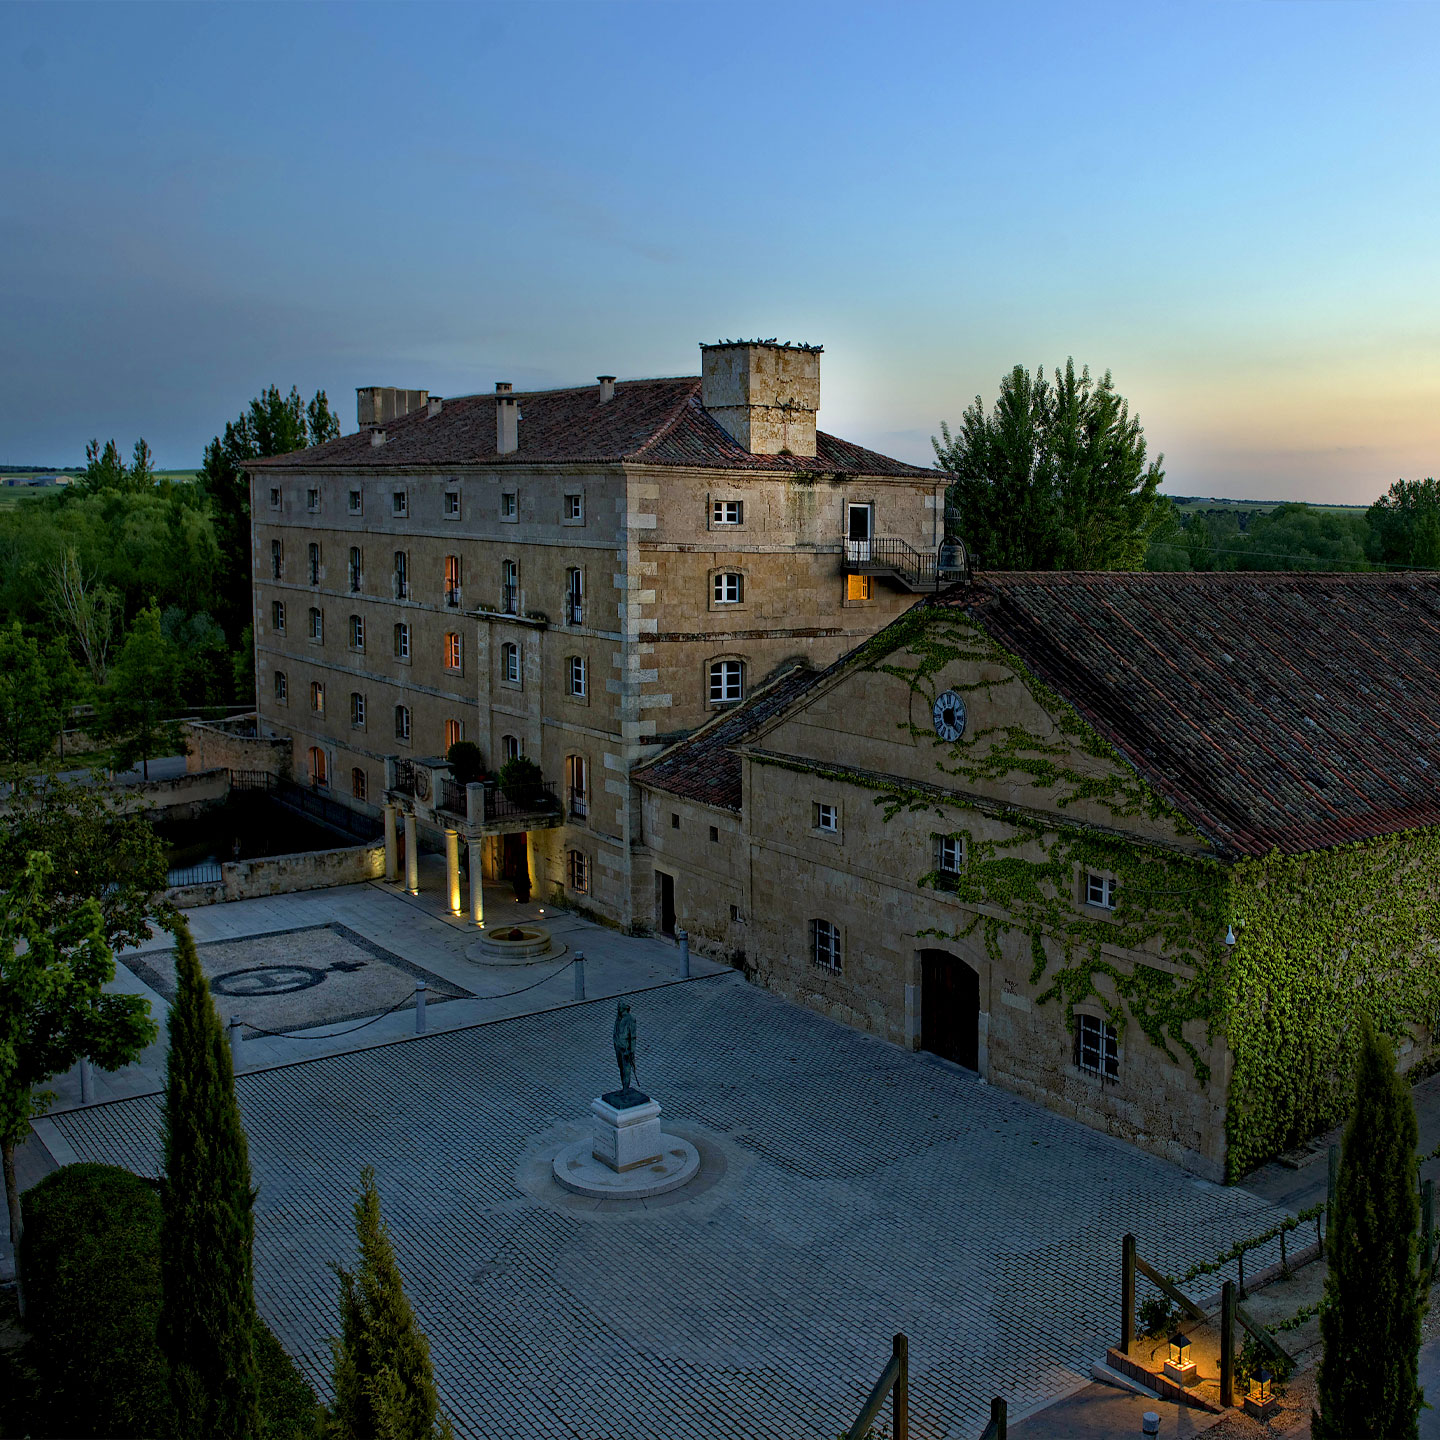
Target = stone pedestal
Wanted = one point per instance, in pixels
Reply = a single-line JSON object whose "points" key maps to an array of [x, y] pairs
{"points": [[627, 1156], [627, 1130]]}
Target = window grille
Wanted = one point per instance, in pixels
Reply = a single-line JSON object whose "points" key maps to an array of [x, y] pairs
{"points": [[579, 872], [825, 945], [1097, 1047], [575, 780], [510, 588]]}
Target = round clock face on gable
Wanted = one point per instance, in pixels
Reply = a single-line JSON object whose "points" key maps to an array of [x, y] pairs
{"points": [[949, 716]]}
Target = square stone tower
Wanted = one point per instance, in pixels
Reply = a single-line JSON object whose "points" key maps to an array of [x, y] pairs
{"points": [[763, 393]]}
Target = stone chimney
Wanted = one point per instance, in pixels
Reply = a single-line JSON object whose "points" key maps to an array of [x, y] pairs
{"points": [[434, 407], [507, 419], [607, 387], [763, 393], [377, 404]]}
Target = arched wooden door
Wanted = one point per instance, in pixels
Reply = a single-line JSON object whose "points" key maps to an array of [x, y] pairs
{"points": [[950, 1008]]}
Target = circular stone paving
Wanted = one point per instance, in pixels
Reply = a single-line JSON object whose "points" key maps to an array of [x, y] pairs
{"points": [[266, 980], [577, 1169]]}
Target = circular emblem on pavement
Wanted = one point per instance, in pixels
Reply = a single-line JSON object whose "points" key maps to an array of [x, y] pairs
{"points": [[266, 980]]}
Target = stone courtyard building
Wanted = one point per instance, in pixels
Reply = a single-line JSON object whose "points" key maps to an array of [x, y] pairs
{"points": [[1136, 846], [577, 576]]}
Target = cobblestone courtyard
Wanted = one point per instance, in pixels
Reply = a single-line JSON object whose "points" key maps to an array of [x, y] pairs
{"points": [[850, 1190]]}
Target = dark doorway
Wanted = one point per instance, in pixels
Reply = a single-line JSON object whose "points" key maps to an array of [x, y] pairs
{"points": [[665, 901], [515, 864], [950, 1008]]}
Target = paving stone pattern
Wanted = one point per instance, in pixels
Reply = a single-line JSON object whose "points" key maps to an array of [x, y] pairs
{"points": [[865, 1190]]}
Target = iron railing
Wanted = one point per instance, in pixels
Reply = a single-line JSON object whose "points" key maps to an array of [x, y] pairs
{"points": [[452, 596], [577, 805], [510, 599], [453, 798], [920, 569], [207, 872], [574, 611], [536, 799], [404, 777]]}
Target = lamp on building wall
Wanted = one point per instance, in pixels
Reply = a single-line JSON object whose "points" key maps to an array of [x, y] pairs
{"points": [[1230, 936], [1179, 1366]]}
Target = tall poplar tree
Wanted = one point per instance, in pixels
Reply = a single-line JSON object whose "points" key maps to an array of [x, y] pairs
{"points": [[384, 1382], [207, 1316], [1368, 1385]]}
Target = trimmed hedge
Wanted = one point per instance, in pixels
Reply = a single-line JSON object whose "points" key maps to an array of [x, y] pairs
{"points": [[91, 1264]]}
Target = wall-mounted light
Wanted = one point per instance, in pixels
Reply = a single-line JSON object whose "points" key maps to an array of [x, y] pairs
{"points": [[1230, 936]]}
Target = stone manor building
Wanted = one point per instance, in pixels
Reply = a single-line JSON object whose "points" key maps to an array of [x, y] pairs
{"points": [[1136, 846], [578, 576]]}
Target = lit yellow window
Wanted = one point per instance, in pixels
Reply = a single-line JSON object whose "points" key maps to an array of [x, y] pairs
{"points": [[857, 587], [452, 651]]}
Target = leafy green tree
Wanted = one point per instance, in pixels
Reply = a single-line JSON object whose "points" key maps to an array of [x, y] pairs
{"points": [[101, 856], [1301, 537], [1368, 1383], [141, 475], [1405, 525], [54, 965], [68, 686], [207, 1314], [88, 610], [272, 424], [104, 470], [467, 764], [141, 694], [1055, 477], [27, 717], [384, 1381]]}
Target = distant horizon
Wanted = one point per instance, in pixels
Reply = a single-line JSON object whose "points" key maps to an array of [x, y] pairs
{"points": [[1229, 207]]}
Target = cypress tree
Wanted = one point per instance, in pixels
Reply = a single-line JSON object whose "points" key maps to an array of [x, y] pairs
{"points": [[384, 1382], [207, 1317], [1368, 1385]]}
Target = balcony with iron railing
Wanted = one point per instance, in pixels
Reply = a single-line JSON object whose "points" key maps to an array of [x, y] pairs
{"points": [[911, 569], [452, 596], [574, 611], [509, 599], [578, 809], [533, 803]]}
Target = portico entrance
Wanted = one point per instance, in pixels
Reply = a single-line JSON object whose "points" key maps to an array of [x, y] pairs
{"points": [[950, 1008]]}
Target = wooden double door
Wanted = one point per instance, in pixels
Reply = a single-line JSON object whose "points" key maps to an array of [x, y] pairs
{"points": [[950, 1008]]}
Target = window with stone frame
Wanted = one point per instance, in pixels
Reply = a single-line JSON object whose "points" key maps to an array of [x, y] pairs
{"points": [[729, 588], [277, 616], [949, 857], [399, 502], [825, 946], [317, 697], [510, 746], [454, 733], [452, 580], [277, 560], [312, 501], [574, 595], [317, 624], [402, 641], [1097, 1047], [401, 583], [577, 678], [357, 569], [575, 784], [509, 587], [509, 505], [510, 662], [579, 872], [319, 768], [356, 502], [574, 509], [1100, 890], [454, 651], [357, 632], [314, 567], [359, 784], [727, 681], [826, 817], [402, 722], [727, 512], [357, 710], [282, 688], [452, 504], [274, 497]]}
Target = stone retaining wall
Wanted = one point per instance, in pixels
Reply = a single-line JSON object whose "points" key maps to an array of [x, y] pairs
{"points": [[225, 745], [285, 874]]}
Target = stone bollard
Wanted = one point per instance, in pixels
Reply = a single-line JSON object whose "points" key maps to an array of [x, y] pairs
{"points": [[1150, 1423], [235, 1040], [419, 1007], [87, 1082], [579, 974], [683, 936]]}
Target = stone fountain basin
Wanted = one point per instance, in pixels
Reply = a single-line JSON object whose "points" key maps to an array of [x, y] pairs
{"points": [[513, 945]]}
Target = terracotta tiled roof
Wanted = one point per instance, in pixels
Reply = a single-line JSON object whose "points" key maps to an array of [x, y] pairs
{"points": [[704, 767], [1293, 711], [658, 422]]}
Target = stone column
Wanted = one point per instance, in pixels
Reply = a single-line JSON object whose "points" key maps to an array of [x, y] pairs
{"points": [[452, 869], [412, 855], [392, 862], [477, 885]]}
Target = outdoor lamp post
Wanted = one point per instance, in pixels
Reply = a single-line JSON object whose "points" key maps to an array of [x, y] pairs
{"points": [[1180, 1367], [1261, 1401]]}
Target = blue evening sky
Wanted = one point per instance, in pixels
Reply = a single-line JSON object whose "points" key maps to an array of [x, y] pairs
{"points": [[1231, 206]]}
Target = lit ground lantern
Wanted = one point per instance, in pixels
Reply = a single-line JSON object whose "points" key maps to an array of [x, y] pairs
{"points": [[1179, 1367], [1261, 1401]]}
